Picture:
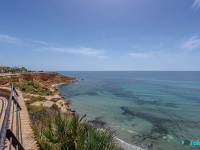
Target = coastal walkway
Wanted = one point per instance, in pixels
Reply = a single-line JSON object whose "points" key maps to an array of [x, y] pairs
{"points": [[15, 127]]}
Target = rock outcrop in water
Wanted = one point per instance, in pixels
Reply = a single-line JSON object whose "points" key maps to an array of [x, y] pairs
{"points": [[97, 122]]}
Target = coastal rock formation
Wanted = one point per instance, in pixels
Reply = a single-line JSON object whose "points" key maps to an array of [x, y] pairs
{"points": [[63, 105]]}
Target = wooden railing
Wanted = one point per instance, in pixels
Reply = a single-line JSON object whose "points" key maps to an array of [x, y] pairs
{"points": [[11, 132]]}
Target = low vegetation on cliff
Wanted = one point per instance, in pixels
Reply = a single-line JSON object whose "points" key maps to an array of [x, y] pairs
{"points": [[5, 69], [32, 88]]}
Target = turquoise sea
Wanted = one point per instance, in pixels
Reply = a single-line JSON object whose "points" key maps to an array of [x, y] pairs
{"points": [[154, 110]]}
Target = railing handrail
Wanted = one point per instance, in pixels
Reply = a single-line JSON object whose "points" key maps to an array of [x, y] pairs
{"points": [[5, 121], [5, 132]]}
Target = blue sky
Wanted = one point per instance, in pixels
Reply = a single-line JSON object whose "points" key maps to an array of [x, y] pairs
{"points": [[100, 34]]}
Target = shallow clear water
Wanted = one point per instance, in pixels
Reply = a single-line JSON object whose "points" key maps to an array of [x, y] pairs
{"points": [[149, 109]]}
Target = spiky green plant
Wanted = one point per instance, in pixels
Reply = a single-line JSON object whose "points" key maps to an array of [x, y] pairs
{"points": [[99, 139], [71, 133]]}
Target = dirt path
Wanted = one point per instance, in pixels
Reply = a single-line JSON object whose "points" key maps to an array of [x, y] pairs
{"points": [[28, 137]]}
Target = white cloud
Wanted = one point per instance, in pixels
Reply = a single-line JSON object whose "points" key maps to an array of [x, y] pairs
{"points": [[9, 39], [20, 42], [192, 43], [36, 45], [140, 54], [86, 51], [40, 43], [196, 4]]}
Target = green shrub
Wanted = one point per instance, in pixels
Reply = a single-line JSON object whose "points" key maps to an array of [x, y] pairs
{"points": [[33, 88], [61, 132]]}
